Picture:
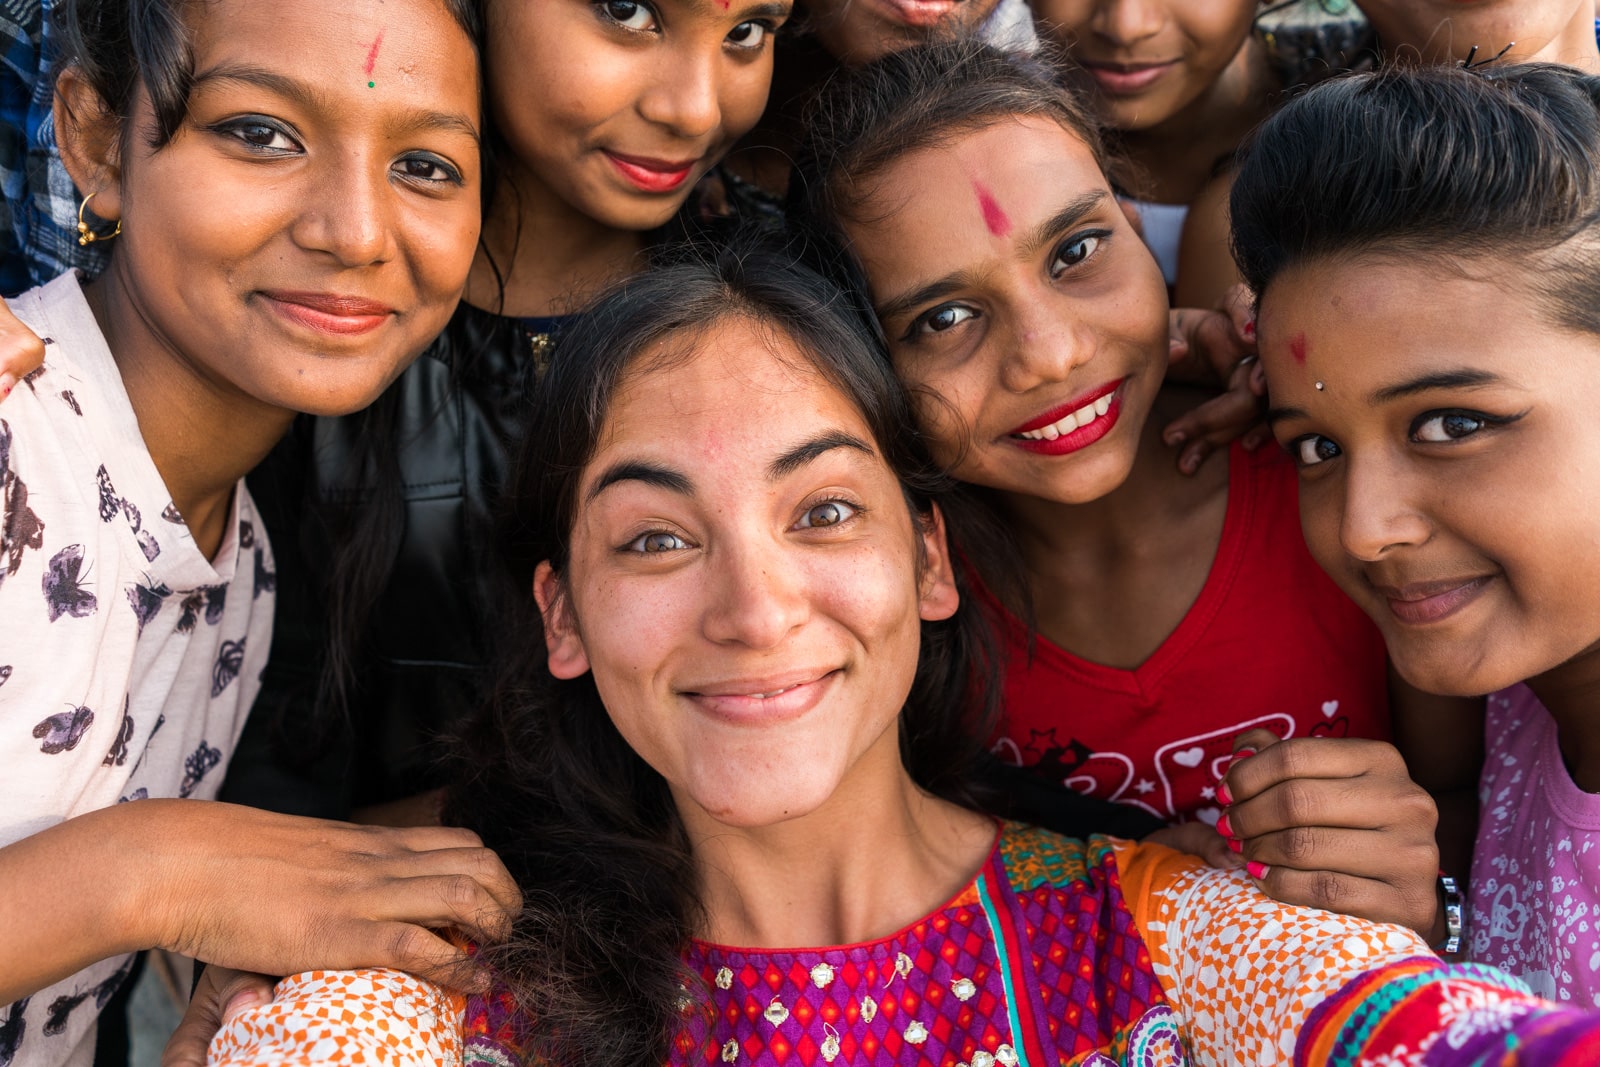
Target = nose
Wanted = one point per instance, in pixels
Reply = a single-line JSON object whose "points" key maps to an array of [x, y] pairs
{"points": [[1044, 349], [346, 210], [1380, 514], [1127, 22], [684, 96], [757, 598]]}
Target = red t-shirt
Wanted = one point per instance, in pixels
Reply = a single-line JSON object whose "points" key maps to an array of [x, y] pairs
{"points": [[1269, 642]]}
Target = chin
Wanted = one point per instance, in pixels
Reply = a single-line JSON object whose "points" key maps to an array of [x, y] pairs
{"points": [[758, 801], [1453, 671]]}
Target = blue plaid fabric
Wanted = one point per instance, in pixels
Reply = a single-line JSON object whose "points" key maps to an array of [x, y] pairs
{"points": [[38, 204]]}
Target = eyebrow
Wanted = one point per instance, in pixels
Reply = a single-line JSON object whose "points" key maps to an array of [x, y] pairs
{"points": [[1070, 215], [807, 451], [661, 477], [1455, 379], [291, 89], [633, 470]]}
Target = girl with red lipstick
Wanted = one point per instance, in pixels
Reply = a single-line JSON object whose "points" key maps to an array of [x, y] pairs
{"points": [[283, 238], [1429, 327], [1169, 614]]}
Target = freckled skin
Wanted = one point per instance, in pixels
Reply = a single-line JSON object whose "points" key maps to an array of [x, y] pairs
{"points": [[745, 594]]}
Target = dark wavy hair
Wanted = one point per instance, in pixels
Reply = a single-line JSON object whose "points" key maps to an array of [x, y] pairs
{"points": [[588, 829], [1440, 163]]}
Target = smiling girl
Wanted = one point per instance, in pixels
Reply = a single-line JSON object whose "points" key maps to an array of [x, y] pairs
{"points": [[728, 765], [292, 211], [1430, 334], [1169, 614]]}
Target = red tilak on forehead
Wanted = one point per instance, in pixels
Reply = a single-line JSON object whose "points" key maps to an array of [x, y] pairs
{"points": [[372, 54], [994, 215], [1298, 348]]}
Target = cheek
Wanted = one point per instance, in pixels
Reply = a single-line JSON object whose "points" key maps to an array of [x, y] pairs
{"points": [[742, 98]]}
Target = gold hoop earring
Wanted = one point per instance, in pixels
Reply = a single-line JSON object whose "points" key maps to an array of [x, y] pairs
{"points": [[88, 236]]}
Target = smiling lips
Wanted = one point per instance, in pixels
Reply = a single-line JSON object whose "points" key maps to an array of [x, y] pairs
{"points": [[763, 701], [652, 175], [1420, 603], [329, 312], [1078, 423], [1126, 79]]}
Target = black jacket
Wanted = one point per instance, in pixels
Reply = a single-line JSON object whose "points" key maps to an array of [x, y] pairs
{"points": [[448, 423]]}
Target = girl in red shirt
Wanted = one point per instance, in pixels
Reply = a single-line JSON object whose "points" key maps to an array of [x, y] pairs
{"points": [[1170, 615]]}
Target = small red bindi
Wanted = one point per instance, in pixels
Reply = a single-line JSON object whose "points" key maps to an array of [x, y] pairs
{"points": [[1298, 348], [372, 54], [994, 216]]}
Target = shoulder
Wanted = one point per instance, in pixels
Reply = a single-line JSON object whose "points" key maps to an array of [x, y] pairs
{"points": [[372, 1016]]}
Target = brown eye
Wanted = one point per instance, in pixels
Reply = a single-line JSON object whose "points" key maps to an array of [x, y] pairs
{"points": [[656, 542], [828, 513]]}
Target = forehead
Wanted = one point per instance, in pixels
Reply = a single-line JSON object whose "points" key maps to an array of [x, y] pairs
{"points": [[731, 394], [939, 208], [398, 46]]}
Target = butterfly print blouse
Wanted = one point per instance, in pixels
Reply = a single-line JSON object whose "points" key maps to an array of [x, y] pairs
{"points": [[127, 659]]}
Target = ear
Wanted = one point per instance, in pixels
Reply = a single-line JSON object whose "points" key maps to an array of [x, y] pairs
{"points": [[90, 139], [938, 594], [562, 641]]}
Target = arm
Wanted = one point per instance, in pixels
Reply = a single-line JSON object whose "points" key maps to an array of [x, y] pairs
{"points": [[1206, 270], [1335, 823], [1254, 981], [243, 888]]}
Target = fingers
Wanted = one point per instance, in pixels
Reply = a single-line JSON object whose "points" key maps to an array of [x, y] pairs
{"points": [[1362, 854], [1213, 425], [219, 996], [450, 900], [427, 955], [1364, 898], [1305, 763], [21, 352], [1238, 303]]}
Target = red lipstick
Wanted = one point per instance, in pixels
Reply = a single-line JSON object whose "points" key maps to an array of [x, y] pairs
{"points": [[1095, 414], [653, 175]]}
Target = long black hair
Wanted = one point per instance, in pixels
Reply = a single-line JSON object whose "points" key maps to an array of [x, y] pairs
{"points": [[588, 829], [1438, 163]]}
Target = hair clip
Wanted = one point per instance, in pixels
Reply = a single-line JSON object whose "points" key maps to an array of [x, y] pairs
{"points": [[1470, 64]]}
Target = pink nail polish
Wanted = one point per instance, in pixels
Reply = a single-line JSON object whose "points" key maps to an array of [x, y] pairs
{"points": [[1223, 795], [1223, 827], [1256, 870], [1235, 845], [1242, 754], [1250, 330]]}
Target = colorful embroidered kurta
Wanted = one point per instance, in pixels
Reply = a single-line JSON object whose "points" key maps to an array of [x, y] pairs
{"points": [[1059, 952]]}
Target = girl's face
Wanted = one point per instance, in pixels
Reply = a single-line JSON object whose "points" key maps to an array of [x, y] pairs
{"points": [[746, 581], [1147, 60], [1448, 455], [309, 228], [617, 107], [1021, 308], [1444, 31], [859, 31]]}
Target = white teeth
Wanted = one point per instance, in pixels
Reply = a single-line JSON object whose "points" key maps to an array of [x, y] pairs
{"points": [[1067, 423]]}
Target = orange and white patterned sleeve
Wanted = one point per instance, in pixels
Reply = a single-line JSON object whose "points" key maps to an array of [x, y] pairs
{"points": [[373, 1017], [1245, 971]]}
